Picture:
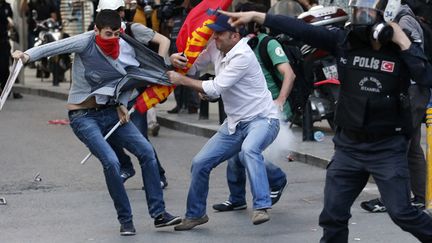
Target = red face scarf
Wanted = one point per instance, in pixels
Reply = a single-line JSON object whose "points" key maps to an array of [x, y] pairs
{"points": [[110, 47]]}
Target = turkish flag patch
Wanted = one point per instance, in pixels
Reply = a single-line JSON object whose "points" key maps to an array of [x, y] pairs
{"points": [[387, 66]]}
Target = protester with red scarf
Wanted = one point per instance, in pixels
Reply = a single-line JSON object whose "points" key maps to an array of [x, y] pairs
{"points": [[103, 77]]}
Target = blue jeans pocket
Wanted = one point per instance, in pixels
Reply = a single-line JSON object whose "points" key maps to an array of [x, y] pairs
{"points": [[224, 128]]}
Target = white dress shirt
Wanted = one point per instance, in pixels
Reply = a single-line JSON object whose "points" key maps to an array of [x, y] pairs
{"points": [[239, 81]]}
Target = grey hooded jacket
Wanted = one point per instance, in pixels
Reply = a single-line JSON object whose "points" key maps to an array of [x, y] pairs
{"points": [[408, 23]]}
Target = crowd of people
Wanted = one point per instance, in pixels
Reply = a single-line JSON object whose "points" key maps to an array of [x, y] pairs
{"points": [[378, 116]]}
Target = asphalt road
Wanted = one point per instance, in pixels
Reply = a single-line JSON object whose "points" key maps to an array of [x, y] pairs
{"points": [[71, 204]]}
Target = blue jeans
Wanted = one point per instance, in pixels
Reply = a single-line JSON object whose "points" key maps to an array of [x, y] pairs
{"points": [[249, 140], [90, 126], [140, 122], [347, 175], [236, 177]]}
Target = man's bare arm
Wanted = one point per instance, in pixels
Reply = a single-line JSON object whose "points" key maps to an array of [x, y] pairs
{"points": [[287, 82], [163, 42]]}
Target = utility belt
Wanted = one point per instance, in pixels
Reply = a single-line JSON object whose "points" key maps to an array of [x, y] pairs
{"points": [[365, 137]]}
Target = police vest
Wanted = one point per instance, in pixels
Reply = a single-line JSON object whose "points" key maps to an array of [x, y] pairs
{"points": [[374, 92]]}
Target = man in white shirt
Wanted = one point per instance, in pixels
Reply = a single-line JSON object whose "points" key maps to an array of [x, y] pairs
{"points": [[251, 123]]}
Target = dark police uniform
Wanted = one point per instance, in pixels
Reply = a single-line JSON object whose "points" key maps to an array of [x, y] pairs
{"points": [[374, 123]]}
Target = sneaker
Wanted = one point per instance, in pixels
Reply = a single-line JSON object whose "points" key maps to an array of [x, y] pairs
{"points": [[228, 206], [275, 194], [154, 129], [428, 212], [126, 174], [260, 216], [417, 203], [187, 224], [127, 229], [374, 206], [166, 219], [163, 183]]}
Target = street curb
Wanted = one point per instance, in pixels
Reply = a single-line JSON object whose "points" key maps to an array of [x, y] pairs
{"points": [[40, 92], [186, 128], [309, 159], [175, 125]]}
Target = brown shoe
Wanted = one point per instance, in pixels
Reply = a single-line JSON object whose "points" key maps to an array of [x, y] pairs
{"points": [[192, 110], [260, 216], [188, 224]]}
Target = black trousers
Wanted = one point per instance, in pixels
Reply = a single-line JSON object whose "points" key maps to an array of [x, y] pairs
{"points": [[186, 97], [347, 175], [4, 62], [419, 98]]}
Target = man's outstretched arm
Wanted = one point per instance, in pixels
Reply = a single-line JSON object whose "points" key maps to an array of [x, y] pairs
{"points": [[179, 79]]}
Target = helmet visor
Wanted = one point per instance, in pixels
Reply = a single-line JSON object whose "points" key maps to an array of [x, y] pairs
{"points": [[363, 16], [378, 5]]}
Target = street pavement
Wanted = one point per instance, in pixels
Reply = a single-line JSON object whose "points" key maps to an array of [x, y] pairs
{"points": [[68, 202]]}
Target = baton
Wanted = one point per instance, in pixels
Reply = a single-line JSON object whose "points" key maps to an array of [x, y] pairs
{"points": [[107, 135]]}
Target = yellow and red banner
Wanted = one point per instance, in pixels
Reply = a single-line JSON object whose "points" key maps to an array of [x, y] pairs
{"points": [[191, 40], [194, 33], [152, 96]]}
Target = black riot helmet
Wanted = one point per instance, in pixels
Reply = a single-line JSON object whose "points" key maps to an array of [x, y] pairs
{"points": [[367, 12], [369, 17]]}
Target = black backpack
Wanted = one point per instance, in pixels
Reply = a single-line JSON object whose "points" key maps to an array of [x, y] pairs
{"points": [[421, 8], [301, 90]]}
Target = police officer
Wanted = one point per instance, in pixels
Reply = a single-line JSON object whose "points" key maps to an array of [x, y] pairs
{"points": [[419, 99], [376, 61]]}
